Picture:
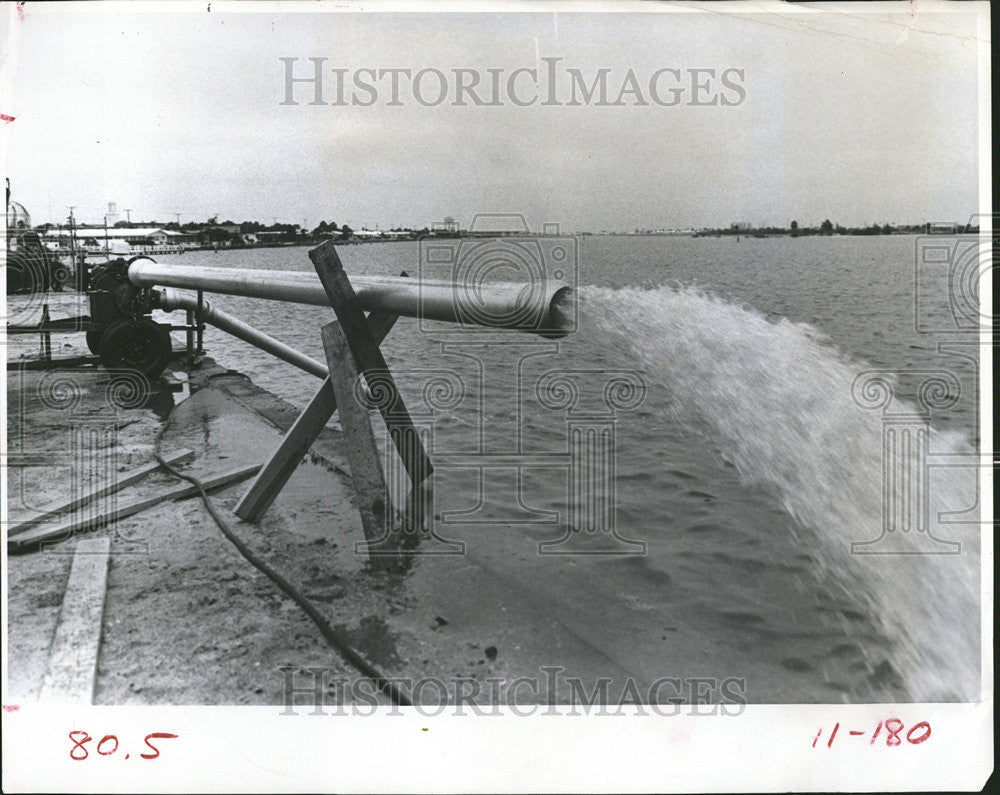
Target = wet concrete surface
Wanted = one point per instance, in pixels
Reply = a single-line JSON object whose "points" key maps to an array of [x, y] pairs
{"points": [[189, 621]]}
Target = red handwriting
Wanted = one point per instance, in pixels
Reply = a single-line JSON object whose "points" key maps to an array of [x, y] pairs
{"points": [[108, 745], [11, 707], [918, 733], [20, 11], [6, 118]]}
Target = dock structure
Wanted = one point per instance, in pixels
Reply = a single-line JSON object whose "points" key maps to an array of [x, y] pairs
{"points": [[351, 346], [118, 329]]}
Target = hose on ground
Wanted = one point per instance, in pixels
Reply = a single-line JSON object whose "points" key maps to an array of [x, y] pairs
{"points": [[334, 638]]}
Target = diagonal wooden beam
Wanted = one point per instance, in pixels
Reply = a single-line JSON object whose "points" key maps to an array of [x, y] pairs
{"points": [[370, 362], [293, 446], [300, 437]]}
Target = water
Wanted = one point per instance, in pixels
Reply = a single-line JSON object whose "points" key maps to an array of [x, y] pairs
{"points": [[748, 462], [778, 401]]}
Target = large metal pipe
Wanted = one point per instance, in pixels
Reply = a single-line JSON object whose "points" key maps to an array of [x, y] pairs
{"points": [[544, 307], [169, 299]]}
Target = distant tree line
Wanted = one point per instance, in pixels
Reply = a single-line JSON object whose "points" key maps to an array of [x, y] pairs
{"points": [[827, 227], [230, 233]]}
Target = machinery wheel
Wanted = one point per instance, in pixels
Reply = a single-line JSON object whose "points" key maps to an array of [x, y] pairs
{"points": [[26, 273], [94, 339], [135, 345], [59, 274]]}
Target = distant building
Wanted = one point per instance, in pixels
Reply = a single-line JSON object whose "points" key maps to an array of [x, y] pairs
{"points": [[119, 240], [185, 239], [741, 226], [943, 228]]}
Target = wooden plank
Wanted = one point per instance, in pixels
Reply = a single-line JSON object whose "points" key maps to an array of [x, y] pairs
{"points": [[128, 479], [13, 365], [41, 364], [367, 475], [293, 446], [299, 438], [63, 531], [369, 360], [72, 669]]}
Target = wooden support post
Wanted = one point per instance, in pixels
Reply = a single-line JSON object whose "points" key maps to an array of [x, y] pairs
{"points": [[72, 669], [189, 335], [299, 438], [359, 444], [46, 336], [200, 323], [369, 360]]}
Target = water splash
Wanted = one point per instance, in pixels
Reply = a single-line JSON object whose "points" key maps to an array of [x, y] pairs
{"points": [[778, 397]]}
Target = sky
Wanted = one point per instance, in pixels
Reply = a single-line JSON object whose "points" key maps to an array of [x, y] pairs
{"points": [[179, 110]]}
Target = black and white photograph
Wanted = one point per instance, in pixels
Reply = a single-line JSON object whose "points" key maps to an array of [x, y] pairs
{"points": [[497, 397]]}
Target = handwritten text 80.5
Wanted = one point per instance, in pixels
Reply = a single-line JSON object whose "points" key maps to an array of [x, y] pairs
{"points": [[108, 745]]}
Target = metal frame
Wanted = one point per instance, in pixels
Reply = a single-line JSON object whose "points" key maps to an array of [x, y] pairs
{"points": [[195, 330]]}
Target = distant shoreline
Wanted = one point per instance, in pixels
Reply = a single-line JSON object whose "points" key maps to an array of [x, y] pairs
{"points": [[519, 235]]}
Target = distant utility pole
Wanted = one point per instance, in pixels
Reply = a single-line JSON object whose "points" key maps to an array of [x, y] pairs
{"points": [[128, 216], [178, 217], [72, 237]]}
